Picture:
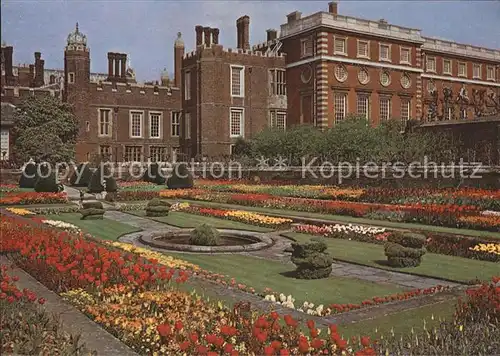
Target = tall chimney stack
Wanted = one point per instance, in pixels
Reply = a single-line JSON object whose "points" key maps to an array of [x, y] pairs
{"points": [[215, 36], [272, 34], [333, 7], [243, 32], [207, 33], [111, 65], [39, 70], [199, 35], [7, 56], [32, 75]]}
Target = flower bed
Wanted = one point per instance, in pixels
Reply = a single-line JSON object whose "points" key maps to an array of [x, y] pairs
{"points": [[27, 198], [128, 295], [62, 225], [9, 188], [239, 215], [445, 244]]}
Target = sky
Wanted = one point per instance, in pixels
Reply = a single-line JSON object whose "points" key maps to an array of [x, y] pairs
{"points": [[147, 29]]}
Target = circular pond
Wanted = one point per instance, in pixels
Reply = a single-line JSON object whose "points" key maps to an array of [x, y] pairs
{"points": [[229, 241]]}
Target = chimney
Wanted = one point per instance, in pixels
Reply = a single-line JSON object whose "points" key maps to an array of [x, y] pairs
{"points": [[294, 16], [32, 75], [110, 65], [333, 7], [207, 32], [7, 56], [178, 55], [123, 59], [39, 74], [199, 35], [243, 32], [116, 57], [272, 34], [215, 35]]}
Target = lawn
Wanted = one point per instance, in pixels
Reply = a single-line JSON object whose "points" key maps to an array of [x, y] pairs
{"points": [[350, 219], [186, 220], [105, 229], [403, 322], [261, 274], [433, 265]]}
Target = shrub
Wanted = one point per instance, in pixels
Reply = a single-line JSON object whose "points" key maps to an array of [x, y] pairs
{"points": [[92, 205], [47, 184], [181, 177], [92, 214], [402, 254], [111, 186], [83, 179], [95, 183], [407, 239], [204, 235], [157, 207], [311, 260], [152, 174], [29, 176]]}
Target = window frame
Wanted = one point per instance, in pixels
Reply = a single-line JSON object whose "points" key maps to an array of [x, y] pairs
{"points": [[474, 66], [493, 77], [131, 113], [177, 125], [242, 122], [242, 80], [338, 53], [133, 146], [273, 123], [71, 78], [406, 101], [427, 59], [187, 125], [445, 60], [401, 49], [109, 124], [365, 96], [165, 148], [389, 52], [464, 75], [388, 99], [303, 49], [160, 119], [275, 83], [345, 106], [367, 56], [187, 85]]}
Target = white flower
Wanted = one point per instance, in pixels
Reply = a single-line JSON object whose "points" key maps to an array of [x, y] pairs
{"points": [[282, 298], [61, 225]]}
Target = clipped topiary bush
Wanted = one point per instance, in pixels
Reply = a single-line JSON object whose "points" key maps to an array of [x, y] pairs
{"points": [[204, 235], [152, 174], [404, 249], [181, 177], [92, 214], [92, 205], [29, 176], [95, 185], [311, 260], [47, 182], [81, 176], [157, 207]]}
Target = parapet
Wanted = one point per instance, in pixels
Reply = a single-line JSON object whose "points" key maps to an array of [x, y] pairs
{"points": [[135, 88]]}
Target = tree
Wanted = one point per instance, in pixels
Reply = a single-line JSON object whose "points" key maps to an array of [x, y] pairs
{"points": [[46, 129]]}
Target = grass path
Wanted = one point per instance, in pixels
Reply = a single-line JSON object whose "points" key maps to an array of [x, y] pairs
{"points": [[433, 265], [186, 220], [105, 229], [260, 274], [354, 220]]}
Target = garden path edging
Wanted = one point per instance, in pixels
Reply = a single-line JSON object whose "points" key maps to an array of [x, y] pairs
{"points": [[93, 336]]}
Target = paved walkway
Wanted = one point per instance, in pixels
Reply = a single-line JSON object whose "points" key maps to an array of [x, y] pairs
{"points": [[277, 253]]}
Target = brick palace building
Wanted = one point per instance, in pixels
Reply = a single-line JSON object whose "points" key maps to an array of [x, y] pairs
{"points": [[317, 70]]}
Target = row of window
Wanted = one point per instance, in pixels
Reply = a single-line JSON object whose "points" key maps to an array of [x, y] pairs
{"points": [[405, 53], [277, 119], [461, 68], [362, 51], [363, 107], [134, 153], [277, 82], [136, 127]]}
